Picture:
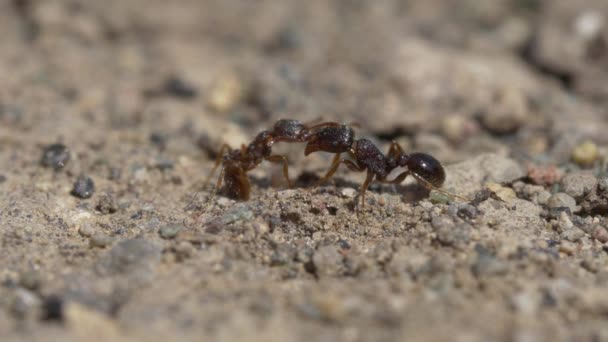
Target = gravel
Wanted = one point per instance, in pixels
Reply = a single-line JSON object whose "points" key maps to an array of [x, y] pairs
{"points": [[84, 187], [55, 156]]}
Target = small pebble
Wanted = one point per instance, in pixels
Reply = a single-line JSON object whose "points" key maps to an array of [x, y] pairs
{"points": [[25, 303], [239, 212], [170, 231], [602, 183], [107, 204], [578, 184], [86, 230], [349, 192], [600, 233], [505, 194], [83, 187], [55, 156], [328, 261], [573, 234], [100, 240], [585, 154], [454, 128], [561, 199], [226, 93], [567, 247], [507, 114], [177, 87], [2, 179]]}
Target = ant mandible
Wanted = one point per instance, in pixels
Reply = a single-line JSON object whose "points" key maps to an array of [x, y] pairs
{"points": [[365, 156]]}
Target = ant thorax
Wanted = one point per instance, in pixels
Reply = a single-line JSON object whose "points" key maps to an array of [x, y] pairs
{"points": [[371, 158]]}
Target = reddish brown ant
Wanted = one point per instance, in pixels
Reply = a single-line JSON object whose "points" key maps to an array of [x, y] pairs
{"points": [[367, 157], [237, 162]]}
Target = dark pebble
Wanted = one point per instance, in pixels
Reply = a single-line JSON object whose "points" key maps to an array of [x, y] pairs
{"points": [[83, 187], [2, 178], [179, 88], [53, 309], [159, 139], [55, 156]]}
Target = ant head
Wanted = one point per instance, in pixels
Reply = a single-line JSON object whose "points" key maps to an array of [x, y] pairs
{"points": [[425, 167]]}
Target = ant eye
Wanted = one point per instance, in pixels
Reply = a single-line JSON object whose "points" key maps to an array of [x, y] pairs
{"points": [[427, 168]]}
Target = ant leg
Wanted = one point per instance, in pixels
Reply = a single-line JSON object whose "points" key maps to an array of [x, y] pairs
{"points": [[282, 159], [368, 179], [370, 176], [218, 184], [332, 169], [399, 179], [218, 161]]}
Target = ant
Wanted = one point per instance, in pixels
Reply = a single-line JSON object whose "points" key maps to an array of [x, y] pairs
{"points": [[237, 162], [365, 156]]}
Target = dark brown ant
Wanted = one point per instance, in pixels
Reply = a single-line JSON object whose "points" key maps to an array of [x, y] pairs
{"points": [[427, 170], [237, 162]]}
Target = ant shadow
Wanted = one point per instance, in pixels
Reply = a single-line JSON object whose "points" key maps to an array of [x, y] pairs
{"points": [[410, 193]]}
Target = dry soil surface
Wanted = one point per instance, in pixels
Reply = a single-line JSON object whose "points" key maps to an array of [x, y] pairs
{"points": [[112, 112]]}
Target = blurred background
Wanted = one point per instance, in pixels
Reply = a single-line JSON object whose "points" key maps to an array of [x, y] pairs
{"points": [[449, 77]]}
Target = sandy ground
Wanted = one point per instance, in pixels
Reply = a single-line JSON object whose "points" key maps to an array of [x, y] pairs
{"points": [[112, 112]]}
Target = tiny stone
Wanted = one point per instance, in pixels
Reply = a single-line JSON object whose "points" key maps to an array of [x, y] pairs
{"points": [[543, 197], [2, 179], [507, 114], [226, 93], [170, 231], [561, 199], [328, 261], [86, 230], [567, 247], [600, 233], [55, 156], [179, 88], [573, 234], [602, 183], [25, 303], [564, 221], [238, 212], [83, 187], [106, 204], [578, 184], [585, 154], [590, 265], [100, 240], [505, 194], [349, 192]]}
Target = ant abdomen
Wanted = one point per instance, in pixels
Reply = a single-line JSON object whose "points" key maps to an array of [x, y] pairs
{"points": [[426, 167], [337, 139]]}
